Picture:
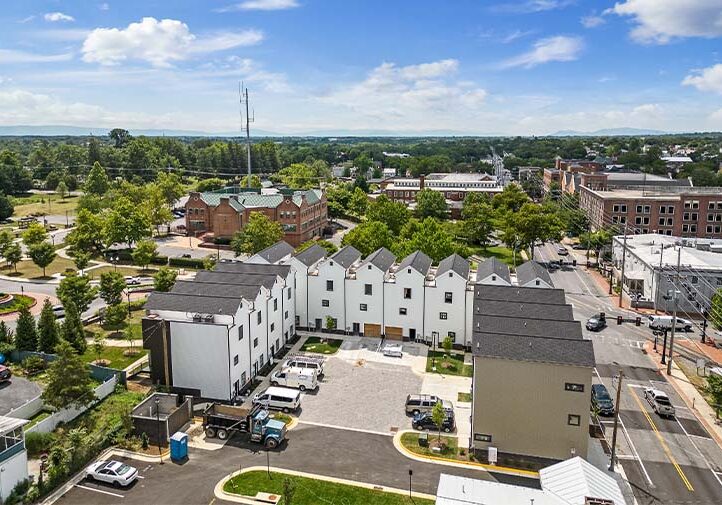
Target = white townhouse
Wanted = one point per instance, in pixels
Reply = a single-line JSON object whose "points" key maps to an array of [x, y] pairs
{"points": [[447, 302], [532, 275], [365, 293], [404, 296], [492, 271], [210, 336], [301, 264], [327, 289]]}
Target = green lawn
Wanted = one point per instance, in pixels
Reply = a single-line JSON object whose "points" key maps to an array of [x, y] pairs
{"points": [[313, 492], [453, 365], [499, 252], [411, 442], [36, 419], [118, 332], [95, 273], [18, 302], [463, 397], [37, 204], [315, 344], [30, 270], [115, 356]]}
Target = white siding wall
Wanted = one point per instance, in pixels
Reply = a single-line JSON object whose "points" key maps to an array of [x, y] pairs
{"points": [[456, 311], [300, 280], [495, 280], [13, 471], [356, 295], [327, 270], [258, 332], [533, 284], [394, 300]]}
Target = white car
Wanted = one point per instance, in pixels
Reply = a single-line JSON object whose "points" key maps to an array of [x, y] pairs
{"points": [[113, 472], [562, 251], [132, 281], [393, 350], [659, 402]]}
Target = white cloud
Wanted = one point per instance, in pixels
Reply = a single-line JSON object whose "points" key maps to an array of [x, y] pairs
{"points": [[260, 5], [592, 21], [12, 56], [26, 20], [559, 48], [659, 21], [530, 6], [647, 110], [707, 79], [515, 35], [54, 17], [105, 6], [158, 42]]}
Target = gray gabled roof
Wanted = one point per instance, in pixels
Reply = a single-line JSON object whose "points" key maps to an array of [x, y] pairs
{"points": [[519, 294], [237, 291], [267, 280], [531, 270], [515, 325], [455, 263], [562, 351], [418, 261], [526, 310], [490, 267], [381, 258], [251, 268], [179, 302], [276, 252], [346, 256], [311, 255]]}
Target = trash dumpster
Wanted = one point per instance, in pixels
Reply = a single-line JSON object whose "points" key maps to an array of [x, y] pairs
{"points": [[178, 446]]}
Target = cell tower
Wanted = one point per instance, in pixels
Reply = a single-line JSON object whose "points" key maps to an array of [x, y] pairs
{"points": [[243, 100]]}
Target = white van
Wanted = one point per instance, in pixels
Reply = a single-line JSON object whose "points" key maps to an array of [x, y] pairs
{"points": [[284, 399], [299, 378], [662, 322], [309, 362]]}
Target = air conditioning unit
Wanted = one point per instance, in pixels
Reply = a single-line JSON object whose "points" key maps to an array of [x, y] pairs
{"points": [[197, 318], [208, 318]]}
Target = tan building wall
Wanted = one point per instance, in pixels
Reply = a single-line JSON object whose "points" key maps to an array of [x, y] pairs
{"points": [[524, 406]]}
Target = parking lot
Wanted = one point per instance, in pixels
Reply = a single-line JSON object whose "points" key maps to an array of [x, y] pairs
{"points": [[16, 393]]}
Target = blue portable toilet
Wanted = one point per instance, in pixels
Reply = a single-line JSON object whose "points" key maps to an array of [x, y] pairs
{"points": [[178, 446]]}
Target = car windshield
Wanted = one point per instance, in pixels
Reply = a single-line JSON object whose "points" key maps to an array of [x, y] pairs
{"points": [[662, 400], [603, 395], [123, 469]]}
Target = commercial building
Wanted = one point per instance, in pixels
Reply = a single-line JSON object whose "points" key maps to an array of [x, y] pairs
{"points": [[571, 180], [532, 376], [673, 211], [219, 214], [650, 264]]}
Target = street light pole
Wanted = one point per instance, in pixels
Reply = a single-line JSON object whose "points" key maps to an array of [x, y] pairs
{"points": [[411, 472], [616, 421], [674, 314]]}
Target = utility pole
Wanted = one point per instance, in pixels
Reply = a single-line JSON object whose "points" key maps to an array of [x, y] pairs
{"points": [[616, 421], [705, 315], [243, 92], [624, 260], [675, 294], [659, 277]]}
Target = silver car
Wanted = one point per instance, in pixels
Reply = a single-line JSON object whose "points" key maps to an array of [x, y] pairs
{"points": [[659, 401]]}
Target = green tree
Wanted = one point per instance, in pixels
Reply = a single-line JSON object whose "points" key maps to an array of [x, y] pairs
{"points": [[714, 389], [6, 238], [115, 316], [438, 415], [47, 328], [42, 254], [289, 490], [6, 334], [126, 223], [26, 336], [362, 164], [430, 203], [447, 344], [330, 323], [358, 203], [72, 329], [97, 182], [298, 176], [510, 199], [715, 311], [393, 214], [87, 234], [76, 289], [260, 232], [338, 197], [120, 136], [68, 381], [328, 246], [530, 225], [80, 259], [34, 234], [427, 236], [164, 279], [144, 253], [210, 184], [13, 255], [99, 347], [170, 186], [112, 285], [478, 224], [255, 182], [6, 207], [369, 236], [156, 208], [62, 190]]}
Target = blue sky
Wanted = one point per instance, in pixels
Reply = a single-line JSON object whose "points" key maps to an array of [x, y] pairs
{"points": [[473, 66]]}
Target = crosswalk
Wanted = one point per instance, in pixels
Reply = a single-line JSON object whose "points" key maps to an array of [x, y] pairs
{"points": [[607, 339]]}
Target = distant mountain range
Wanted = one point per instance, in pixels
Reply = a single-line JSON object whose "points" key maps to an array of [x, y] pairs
{"points": [[608, 132]]}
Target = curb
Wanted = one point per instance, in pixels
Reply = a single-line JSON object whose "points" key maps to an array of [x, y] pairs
{"points": [[460, 464], [222, 495]]}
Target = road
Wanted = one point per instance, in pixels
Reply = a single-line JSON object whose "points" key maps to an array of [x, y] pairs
{"points": [[338, 236], [670, 461]]}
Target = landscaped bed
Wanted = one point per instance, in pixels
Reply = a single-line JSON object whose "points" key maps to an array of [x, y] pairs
{"points": [[114, 357], [17, 303], [118, 332], [450, 449], [321, 346], [312, 491], [451, 365]]}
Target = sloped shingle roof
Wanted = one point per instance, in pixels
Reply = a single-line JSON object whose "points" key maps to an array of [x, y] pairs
{"points": [[519, 294], [381, 258], [418, 261], [276, 252], [455, 263], [251, 268], [492, 266], [311, 255], [519, 325], [346, 256], [527, 272], [565, 351], [526, 310]]}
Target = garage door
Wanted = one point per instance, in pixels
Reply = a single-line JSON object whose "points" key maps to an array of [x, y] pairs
{"points": [[372, 330], [394, 333]]}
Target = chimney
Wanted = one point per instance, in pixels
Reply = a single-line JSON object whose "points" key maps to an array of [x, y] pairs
{"points": [[422, 182]]}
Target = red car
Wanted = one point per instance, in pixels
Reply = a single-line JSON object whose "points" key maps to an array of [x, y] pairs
{"points": [[5, 374]]}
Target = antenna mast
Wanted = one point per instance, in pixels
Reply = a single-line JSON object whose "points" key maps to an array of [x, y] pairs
{"points": [[243, 97]]}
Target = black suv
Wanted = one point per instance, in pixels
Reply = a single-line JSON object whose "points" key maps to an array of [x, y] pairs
{"points": [[596, 323], [601, 401], [424, 421]]}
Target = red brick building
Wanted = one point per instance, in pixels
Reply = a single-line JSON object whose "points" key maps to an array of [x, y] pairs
{"points": [[302, 214]]}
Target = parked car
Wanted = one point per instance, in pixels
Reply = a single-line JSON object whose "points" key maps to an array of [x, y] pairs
{"points": [[299, 378], [579, 246], [305, 362], [131, 280], [58, 311], [393, 350], [562, 251], [113, 472], [425, 421], [553, 265], [601, 401], [665, 322], [659, 401], [186, 255], [596, 323], [5, 374], [284, 399], [425, 403]]}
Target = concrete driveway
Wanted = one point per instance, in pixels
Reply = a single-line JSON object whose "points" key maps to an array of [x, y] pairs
{"points": [[17, 392]]}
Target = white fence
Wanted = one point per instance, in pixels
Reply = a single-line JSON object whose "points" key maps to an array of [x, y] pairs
{"points": [[63, 416]]}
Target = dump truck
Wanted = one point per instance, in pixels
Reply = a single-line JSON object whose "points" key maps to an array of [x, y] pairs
{"points": [[221, 421]]}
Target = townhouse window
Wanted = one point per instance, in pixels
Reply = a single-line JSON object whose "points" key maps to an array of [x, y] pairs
{"points": [[240, 333], [243, 378], [255, 342], [662, 221], [402, 311], [275, 304], [329, 285], [443, 315], [574, 420], [285, 315], [324, 303], [273, 326], [482, 437], [452, 336], [571, 386], [448, 297], [368, 289], [235, 359], [537, 282], [694, 279], [259, 318], [669, 221], [261, 359], [408, 270], [289, 289], [407, 293], [363, 307]]}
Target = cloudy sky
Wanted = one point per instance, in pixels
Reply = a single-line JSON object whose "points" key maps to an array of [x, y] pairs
{"points": [[473, 66]]}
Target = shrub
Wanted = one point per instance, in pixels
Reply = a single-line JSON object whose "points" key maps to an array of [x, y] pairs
{"points": [[37, 443], [144, 440], [222, 240], [34, 364], [187, 262]]}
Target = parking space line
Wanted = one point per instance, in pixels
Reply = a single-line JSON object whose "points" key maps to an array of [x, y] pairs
{"points": [[662, 442], [99, 491], [699, 452]]}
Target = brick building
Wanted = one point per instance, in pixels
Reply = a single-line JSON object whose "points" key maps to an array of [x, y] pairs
{"points": [[676, 211], [302, 214]]}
